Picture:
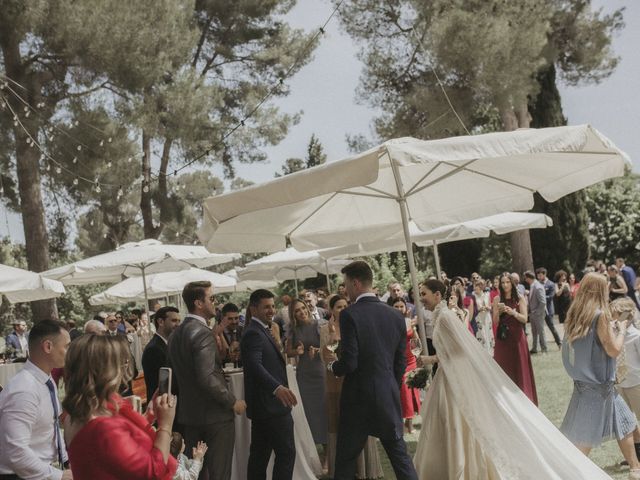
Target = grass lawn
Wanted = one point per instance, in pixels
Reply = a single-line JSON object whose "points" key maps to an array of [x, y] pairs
{"points": [[554, 391]]}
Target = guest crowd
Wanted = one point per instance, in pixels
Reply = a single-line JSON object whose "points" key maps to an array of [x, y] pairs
{"points": [[188, 432]]}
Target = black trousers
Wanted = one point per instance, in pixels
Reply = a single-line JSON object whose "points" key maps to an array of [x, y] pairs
{"points": [[272, 435], [349, 445], [549, 321], [220, 438]]}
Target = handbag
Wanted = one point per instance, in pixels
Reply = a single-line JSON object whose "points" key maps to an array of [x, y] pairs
{"points": [[503, 330]]}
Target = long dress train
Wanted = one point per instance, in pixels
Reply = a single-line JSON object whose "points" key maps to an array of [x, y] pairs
{"points": [[478, 425]]}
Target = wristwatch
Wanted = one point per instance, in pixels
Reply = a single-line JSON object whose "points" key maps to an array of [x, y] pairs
{"points": [[330, 366]]}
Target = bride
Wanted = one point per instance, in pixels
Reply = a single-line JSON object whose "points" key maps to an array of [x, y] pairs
{"points": [[476, 423]]}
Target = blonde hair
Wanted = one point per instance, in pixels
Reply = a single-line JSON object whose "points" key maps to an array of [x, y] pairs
{"points": [[624, 305], [96, 367], [292, 313], [592, 296]]}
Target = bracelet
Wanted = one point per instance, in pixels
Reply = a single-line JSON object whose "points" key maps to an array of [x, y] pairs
{"points": [[166, 430]]}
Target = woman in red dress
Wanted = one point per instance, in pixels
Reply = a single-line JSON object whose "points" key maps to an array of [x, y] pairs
{"points": [[409, 397], [106, 438], [511, 349]]}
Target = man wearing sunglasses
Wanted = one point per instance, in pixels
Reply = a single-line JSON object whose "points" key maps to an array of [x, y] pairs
{"points": [[206, 406]]}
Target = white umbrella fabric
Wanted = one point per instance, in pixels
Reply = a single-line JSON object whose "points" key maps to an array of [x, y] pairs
{"points": [[500, 224], [251, 285], [20, 285], [161, 285], [137, 259], [291, 264], [439, 182]]}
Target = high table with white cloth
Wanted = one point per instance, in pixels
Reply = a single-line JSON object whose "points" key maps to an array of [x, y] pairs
{"points": [[8, 371], [307, 466]]}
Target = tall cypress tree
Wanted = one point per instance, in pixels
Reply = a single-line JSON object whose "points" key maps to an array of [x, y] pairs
{"points": [[566, 244]]}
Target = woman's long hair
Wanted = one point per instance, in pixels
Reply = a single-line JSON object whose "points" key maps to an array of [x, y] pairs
{"points": [[593, 295], [95, 368], [292, 309]]}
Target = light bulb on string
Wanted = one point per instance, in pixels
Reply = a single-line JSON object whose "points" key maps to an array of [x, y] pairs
{"points": [[79, 148], [58, 170], [91, 222], [26, 109], [120, 193], [26, 115], [145, 189], [48, 167], [76, 123], [102, 143], [129, 160], [109, 164], [98, 189], [75, 160], [109, 139], [75, 181]]}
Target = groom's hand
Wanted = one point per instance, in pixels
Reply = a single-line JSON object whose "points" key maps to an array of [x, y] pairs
{"points": [[286, 396]]}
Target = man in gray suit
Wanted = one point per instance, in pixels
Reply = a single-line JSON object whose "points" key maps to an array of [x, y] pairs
{"points": [[537, 310], [206, 405]]}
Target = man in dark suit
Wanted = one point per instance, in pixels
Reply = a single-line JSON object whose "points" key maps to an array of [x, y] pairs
{"points": [[206, 406], [232, 332], [269, 399], [155, 354], [372, 360]]}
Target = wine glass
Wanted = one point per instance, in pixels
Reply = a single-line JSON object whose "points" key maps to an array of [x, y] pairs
{"points": [[415, 345], [332, 347]]}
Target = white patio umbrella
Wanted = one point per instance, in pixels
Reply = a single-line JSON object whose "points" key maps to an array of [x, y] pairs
{"points": [[251, 285], [500, 224], [291, 263], [161, 285], [137, 259], [374, 195], [20, 285]]}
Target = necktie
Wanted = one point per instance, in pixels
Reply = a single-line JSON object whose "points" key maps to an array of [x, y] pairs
{"points": [[56, 422], [621, 366]]}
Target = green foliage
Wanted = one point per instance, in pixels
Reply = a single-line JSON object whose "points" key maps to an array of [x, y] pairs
{"points": [[388, 267], [495, 256], [315, 156], [614, 211]]}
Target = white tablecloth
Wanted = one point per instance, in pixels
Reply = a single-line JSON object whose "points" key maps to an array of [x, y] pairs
{"points": [[307, 465], [8, 370]]}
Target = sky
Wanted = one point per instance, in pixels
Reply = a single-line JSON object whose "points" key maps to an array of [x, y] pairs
{"points": [[324, 91]]}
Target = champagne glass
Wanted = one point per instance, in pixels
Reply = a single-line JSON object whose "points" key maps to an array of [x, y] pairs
{"points": [[415, 345], [332, 347]]}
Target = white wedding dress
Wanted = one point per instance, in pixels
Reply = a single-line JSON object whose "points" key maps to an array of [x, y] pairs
{"points": [[477, 424]]}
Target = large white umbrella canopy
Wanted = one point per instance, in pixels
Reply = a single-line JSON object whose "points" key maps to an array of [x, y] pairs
{"points": [[500, 224], [161, 285], [434, 183], [135, 259], [291, 264], [20, 285]]}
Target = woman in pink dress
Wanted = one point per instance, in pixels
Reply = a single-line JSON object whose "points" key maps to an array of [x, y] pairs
{"points": [[409, 397], [511, 349]]}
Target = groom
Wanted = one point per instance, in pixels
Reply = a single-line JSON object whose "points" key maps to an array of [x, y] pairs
{"points": [[373, 360]]}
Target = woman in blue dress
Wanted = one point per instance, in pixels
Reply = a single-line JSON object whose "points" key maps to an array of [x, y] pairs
{"points": [[591, 344]]}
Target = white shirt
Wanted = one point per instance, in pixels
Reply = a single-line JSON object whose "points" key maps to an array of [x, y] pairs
{"points": [[27, 438], [166, 342], [365, 294], [24, 344], [197, 317], [631, 358]]}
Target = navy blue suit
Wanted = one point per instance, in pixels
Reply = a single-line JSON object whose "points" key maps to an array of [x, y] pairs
{"points": [[372, 360], [271, 421]]}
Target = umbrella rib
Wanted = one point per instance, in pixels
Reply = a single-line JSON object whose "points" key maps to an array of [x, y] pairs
{"points": [[373, 189], [532, 190], [312, 214], [415, 185], [443, 177], [386, 196]]}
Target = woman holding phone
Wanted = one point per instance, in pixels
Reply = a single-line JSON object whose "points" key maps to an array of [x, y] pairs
{"points": [[106, 438], [509, 311]]}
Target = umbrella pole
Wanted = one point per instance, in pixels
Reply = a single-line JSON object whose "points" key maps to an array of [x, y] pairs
{"points": [[402, 203], [326, 264], [436, 259], [295, 280]]}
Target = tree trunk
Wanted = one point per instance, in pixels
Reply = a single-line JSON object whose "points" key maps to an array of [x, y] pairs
{"points": [[163, 191], [150, 231], [28, 172], [521, 253]]}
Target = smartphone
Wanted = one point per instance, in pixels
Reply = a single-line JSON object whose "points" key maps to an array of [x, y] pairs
{"points": [[164, 381], [501, 306]]}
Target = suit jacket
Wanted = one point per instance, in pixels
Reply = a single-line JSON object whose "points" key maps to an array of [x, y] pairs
{"points": [[154, 357], [13, 340], [204, 396], [264, 370], [630, 279], [373, 360], [537, 300], [550, 291]]}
